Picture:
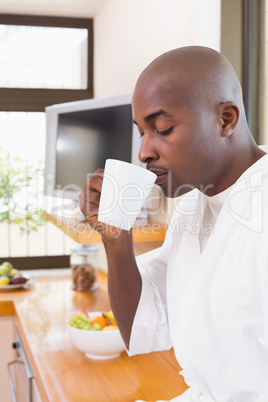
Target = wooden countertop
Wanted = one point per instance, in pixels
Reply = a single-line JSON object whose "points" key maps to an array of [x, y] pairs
{"points": [[82, 233], [62, 372]]}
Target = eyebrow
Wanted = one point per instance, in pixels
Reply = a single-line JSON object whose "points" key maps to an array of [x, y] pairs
{"points": [[152, 116]]}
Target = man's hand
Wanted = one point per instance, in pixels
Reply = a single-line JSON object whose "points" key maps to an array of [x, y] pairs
{"points": [[124, 281], [89, 205]]}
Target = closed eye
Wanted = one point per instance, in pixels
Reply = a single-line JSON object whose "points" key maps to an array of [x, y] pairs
{"points": [[165, 132]]}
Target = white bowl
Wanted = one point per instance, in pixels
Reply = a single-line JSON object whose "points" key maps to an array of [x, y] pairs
{"points": [[97, 344]]}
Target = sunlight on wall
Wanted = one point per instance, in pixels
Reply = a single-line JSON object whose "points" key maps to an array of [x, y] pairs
{"points": [[130, 34]]}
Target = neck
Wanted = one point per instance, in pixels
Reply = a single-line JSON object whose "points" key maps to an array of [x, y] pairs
{"points": [[241, 161]]}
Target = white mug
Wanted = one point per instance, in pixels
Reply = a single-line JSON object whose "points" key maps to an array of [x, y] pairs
{"points": [[125, 188]]}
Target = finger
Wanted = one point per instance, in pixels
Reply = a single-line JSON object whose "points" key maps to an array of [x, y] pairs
{"points": [[88, 208], [95, 198], [95, 181], [90, 195]]}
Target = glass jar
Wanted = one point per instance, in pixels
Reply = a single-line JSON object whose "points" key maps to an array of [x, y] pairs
{"points": [[84, 265]]}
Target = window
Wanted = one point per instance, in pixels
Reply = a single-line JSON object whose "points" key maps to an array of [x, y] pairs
{"points": [[43, 61], [43, 57]]}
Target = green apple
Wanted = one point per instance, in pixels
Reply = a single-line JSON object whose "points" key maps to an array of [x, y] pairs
{"points": [[5, 268], [13, 272]]}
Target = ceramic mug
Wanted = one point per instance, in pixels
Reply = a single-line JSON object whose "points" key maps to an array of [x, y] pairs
{"points": [[125, 188]]}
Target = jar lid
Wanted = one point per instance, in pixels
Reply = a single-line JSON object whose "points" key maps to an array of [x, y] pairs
{"points": [[84, 249]]}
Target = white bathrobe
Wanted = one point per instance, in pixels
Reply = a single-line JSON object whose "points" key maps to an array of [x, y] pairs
{"points": [[207, 295]]}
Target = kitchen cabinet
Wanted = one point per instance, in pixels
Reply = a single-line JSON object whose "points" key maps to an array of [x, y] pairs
{"points": [[7, 355], [22, 381], [25, 390], [36, 394]]}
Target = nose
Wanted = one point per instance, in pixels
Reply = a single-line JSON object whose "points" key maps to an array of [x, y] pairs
{"points": [[148, 149]]}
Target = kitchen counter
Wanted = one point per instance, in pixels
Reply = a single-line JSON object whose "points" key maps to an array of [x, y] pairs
{"points": [[62, 372], [82, 233]]}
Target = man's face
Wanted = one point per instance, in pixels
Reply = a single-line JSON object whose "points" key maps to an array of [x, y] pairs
{"points": [[179, 136]]}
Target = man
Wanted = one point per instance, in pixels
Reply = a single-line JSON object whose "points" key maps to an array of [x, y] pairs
{"points": [[205, 291]]}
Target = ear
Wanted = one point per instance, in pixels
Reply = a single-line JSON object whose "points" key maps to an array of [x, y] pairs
{"points": [[228, 113]]}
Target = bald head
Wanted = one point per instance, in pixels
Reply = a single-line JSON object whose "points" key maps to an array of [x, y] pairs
{"points": [[189, 110], [198, 73]]}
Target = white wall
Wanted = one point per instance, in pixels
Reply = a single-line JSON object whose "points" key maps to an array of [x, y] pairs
{"points": [[129, 34], [62, 8]]}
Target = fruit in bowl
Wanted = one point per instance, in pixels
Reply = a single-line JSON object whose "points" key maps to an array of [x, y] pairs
{"points": [[95, 335], [11, 276]]}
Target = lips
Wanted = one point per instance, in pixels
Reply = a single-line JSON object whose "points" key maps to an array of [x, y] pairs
{"points": [[161, 175], [161, 178]]}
